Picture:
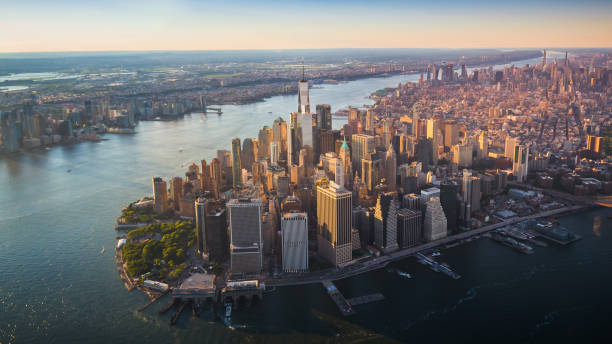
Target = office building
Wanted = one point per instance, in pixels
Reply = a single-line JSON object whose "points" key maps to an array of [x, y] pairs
{"points": [[362, 146], [211, 229], [294, 236], [334, 223], [246, 236], [160, 195], [324, 117], [236, 164], [450, 203], [434, 224], [520, 162], [409, 228], [385, 222]]}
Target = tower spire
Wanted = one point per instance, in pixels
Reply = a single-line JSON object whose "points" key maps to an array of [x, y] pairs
{"points": [[303, 78]]}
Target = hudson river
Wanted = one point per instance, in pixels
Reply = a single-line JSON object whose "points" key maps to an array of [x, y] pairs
{"points": [[57, 286]]}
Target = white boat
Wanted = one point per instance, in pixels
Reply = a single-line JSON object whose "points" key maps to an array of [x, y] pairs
{"points": [[228, 311], [435, 254], [102, 251], [404, 274]]}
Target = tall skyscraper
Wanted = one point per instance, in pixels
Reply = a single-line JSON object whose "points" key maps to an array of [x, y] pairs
{"points": [[274, 153], [264, 139], [450, 203], [483, 145], [211, 233], [362, 146], [305, 129], [451, 133], [520, 162], [279, 134], [160, 195], [424, 153], [345, 156], [246, 236], [509, 147], [434, 225], [247, 154], [236, 163], [544, 59], [303, 96], [385, 222], [294, 234], [334, 223], [432, 133], [409, 228], [324, 117], [391, 168], [415, 123]]}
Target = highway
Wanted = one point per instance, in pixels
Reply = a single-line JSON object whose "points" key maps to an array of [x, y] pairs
{"points": [[356, 267]]}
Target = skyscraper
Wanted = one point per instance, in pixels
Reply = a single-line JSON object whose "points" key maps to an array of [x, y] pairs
{"points": [[236, 163], [391, 168], [424, 153], [324, 117], [451, 133], [303, 96], [334, 223], [409, 228], [211, 233], [483, 145], [362, 146], [279, 134], [520, 162], [247, 154], [274, 153], [432, 133], [294, 234], [385, 221], [160, 195], [450, 203], [246, 236], [264, 139], [434, 225]]}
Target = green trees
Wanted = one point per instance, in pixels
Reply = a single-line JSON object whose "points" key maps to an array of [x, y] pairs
{"points": [[166, 256]]}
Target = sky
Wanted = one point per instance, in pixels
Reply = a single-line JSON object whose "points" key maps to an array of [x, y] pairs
{"points": [[86, 25]]}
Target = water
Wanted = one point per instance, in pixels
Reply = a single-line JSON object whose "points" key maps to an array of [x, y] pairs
{"points": [[56, 286]]}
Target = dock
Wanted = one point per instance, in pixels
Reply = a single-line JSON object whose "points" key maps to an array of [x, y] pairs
{"points": [[343, 305], [437, 267], [360, 300]]}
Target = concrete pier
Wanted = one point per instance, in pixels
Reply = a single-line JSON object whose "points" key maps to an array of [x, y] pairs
{"points": [[338, 298]]}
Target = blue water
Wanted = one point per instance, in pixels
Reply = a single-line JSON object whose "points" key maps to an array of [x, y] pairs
{"points": [[56, 286]]}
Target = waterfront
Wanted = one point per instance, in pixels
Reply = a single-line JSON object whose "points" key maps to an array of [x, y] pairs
{"points": [[56, 283]]}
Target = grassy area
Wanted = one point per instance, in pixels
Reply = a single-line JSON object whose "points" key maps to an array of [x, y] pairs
{"points": [[165, 257]]}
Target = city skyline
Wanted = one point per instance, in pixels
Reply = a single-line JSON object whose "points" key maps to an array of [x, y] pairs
{"points": [[37, 26]]}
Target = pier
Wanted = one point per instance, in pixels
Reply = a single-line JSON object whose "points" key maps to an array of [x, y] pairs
{"points": [[343, 305], [360, 300], [437, 267]]}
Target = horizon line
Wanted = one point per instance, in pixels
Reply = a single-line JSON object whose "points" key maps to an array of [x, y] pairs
{"points": [[294, 49]]}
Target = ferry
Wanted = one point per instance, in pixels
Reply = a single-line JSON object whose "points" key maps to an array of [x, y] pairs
{"points": [[404, 274]]}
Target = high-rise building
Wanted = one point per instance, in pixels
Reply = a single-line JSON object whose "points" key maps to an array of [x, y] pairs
{"points": [[434, 224], [385, 221], [274, 153], [428, 194], [409, 228], [520, 162], [294, 234], [391, 168], [215, 176], [462, 155], [176, 191], [247, 154], [303, 96], [264, 139], [324, 117], [236, 163], [450, 203], [362, 146], [160, 195], [509, 147], [451, 133], [424, 153], [211, 229], [483, 145], [279, 134], [246, 236], [334, 223], [432, 133], [345, 156]]}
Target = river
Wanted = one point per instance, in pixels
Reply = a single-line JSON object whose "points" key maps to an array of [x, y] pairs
{"points": [[57, 286]]}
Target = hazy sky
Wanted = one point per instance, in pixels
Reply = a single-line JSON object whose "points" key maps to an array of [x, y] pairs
{"points": [[78, 25]]}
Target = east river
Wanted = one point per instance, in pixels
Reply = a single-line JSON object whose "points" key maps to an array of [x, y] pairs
{"points": [[58, 285]]}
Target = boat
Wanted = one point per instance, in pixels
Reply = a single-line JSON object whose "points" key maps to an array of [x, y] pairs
{"points": [[102, 251], [435, 254], [180, 149], [404, 274], [228, 311], [68, 170]]}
